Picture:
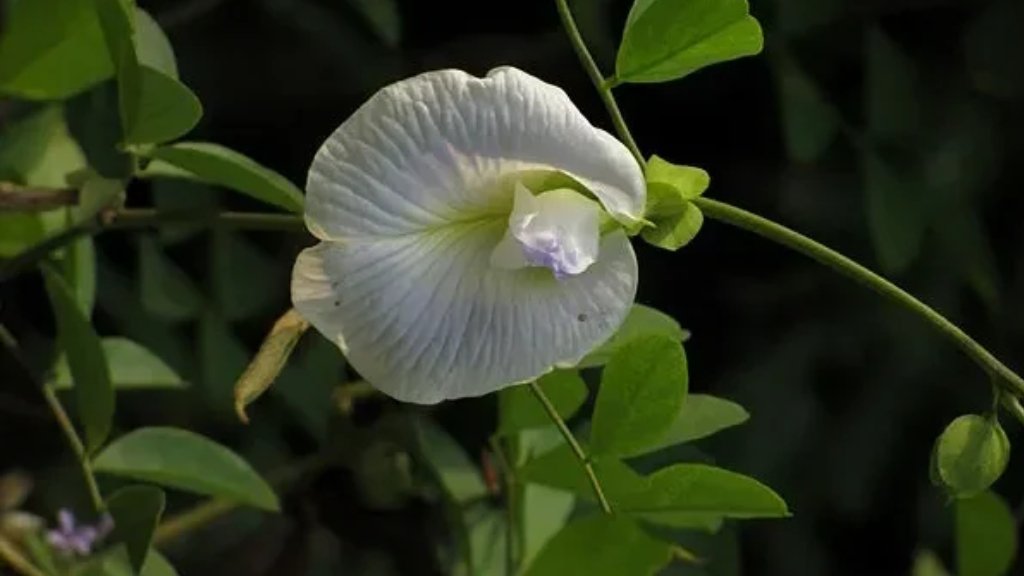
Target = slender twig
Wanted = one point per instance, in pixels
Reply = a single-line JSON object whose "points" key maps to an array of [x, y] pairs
{"points": [[77, 447], [1007, 379], [603, 86], [10, 555], [15, 198], [132, 218], [510, 486], [1012, 405], [574, 445]]}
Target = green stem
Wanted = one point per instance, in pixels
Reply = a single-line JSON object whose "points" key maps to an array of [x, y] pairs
{"points": [[510, 486], [1006, 378], [77, 447], [13, 557], [603, 87], [134, 218], [574, 445]]}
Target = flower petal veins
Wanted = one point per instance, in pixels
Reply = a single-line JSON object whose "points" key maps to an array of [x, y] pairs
{"points": [[413, 197]]}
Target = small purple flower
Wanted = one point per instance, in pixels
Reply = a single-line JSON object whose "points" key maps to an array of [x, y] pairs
{"points": [[73, 539]]}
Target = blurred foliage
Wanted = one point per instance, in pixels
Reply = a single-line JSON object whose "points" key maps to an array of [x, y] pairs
{"points": [[886, 128]]}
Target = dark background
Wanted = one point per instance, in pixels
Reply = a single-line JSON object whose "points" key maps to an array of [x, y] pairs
{"points": [[889, 129]]}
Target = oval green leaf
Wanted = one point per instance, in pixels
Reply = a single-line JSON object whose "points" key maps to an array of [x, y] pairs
{"points": [[668, 39], [52, 49], [601, 546], [705, 490], [455, 472], [641, 321], [136, 511], [187, 461], [971, 454], [215, 164], [165, 109], [131, 367], [518, 409], [702, 415], [642, 391], [676, 230], [560, 469], [986, 536], [94, 393]]}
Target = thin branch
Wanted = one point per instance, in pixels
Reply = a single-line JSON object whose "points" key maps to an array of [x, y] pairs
{"points": [[15, 198]]}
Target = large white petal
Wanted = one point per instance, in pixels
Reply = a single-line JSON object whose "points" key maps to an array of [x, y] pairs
{"points": [[436, 148], [425, 318]]}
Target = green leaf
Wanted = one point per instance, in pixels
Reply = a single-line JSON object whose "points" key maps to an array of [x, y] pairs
{"points": [[187, 461], [94, 393], [456, 473], [676, 230], [701, 416], [165, 289], [600, 546], [672, 185], [38, 150], [51, 49], [895, 213], [560, 469], [152, 46], [544, 512], [642, 391], [971, 454], [668, 39], [164, 110], [986, 536], [131, 367], [518, 409], [809, 122], [155, 107], [218, 165], [136, 511], [268, 362], [641, 321], [96, 195], [705, 490], [79, 268]]}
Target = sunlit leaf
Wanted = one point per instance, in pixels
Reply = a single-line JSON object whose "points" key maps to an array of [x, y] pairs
{"points": [[971, 454], [705, 490], [676, 230], [136, 511], [599, 546], [187, 461], [641, 321], [152, 46], [927, 563], [166, 109], [132, 366], [79, 269], [51, 49], [642, 390], [520, 410], [668, 39], [544, 512], [94, 393], [986, 536], [215, 164]]}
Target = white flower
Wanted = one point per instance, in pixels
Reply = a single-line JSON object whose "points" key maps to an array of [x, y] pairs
{"points": [[466, 243]]}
